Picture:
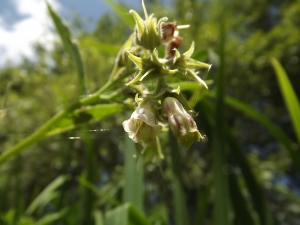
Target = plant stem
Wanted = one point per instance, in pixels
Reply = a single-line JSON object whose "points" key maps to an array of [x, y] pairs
{"points": [[40, 133]]}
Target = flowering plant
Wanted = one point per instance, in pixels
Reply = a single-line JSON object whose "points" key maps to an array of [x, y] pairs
{"points": [[164, 104]]}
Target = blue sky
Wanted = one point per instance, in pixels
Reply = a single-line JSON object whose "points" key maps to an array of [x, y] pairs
{"points": [[23, 22]]}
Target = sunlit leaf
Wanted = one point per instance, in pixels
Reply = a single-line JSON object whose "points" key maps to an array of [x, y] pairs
{"points": [[289, 96], [134, 174], [267, 123], [102, 47], [126, 214], [50, 218], [70, 46], [221, 199], [98, 217], [180, 213], [86, 115], [122, 12], [47, 194]]}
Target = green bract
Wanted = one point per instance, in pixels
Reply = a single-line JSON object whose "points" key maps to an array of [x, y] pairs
{"points": [[186, 65], [150, 68]]}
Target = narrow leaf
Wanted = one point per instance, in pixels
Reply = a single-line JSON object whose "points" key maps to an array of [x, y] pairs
{"points": [[180, 208], [89, 114], [242, 212], [259, 199], [289, 96], [221, 204], [126, 214], [106, 193], [133, 174], [70, 46], [46, 195], [122, 12], [50, 218], [98, 217], [268, 124], [102, 47]]}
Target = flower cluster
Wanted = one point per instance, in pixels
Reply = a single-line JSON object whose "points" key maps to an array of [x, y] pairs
{"points": [[164, 105]]}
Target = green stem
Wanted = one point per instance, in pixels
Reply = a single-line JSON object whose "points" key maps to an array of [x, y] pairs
{"points": [[40, 133], [161, 83], [36, 135]]}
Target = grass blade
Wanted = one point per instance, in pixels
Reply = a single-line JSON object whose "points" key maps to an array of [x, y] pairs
{"points": [[87, 194], [268, 124], [105, 194], [259, 199], [102, 47], [203, 197], [180, 214], [70, 46], [237, 156], [242, 214], [221, 207], [50, 218], [124, 215], [46, 195], [289, 96], [122, 12], [133, 173], [98, 217]]}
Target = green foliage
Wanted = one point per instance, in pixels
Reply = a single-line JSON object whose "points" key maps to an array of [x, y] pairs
{"points": [[291, 101], [77, 168]]}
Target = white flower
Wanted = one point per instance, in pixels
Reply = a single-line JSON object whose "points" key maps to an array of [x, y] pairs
{"points": [[142, 125]]}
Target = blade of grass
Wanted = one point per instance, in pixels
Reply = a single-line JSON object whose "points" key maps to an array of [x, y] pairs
{"points": [[50, 218], [242, 213], [221, 207], [126, 214], [236, 154], [70, 46], [19, 199], [180, 214], [259, 200], [289, 96], [133, 174], [103, 47], [122, 12], [203, 198], [106, 193], [87, 194], [98, 217], [46, 195], [268, 124]]}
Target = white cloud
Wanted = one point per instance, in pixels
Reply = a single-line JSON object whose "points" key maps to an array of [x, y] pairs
{"points": [[34, 27]]}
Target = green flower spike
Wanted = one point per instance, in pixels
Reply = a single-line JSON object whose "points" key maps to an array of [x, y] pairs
{"points": [[186, 65], [150, 68], [148, 32]]}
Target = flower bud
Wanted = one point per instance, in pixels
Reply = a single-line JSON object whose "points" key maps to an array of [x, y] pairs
{"points": [[147, 32], [142, 125], [181, 123]]}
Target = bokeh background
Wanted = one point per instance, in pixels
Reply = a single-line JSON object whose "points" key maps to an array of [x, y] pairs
{"points": [[246, 170]]}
